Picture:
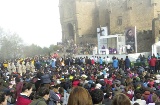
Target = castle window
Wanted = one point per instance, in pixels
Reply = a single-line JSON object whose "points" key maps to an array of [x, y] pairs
{"points": [[154, 2], [119, 20]]}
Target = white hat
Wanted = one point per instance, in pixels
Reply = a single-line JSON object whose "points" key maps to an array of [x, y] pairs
{"points": [[98, 86], [84, 76], [58, 81]]}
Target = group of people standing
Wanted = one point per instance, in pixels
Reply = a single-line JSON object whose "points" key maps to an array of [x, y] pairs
{"points": [[108, 81]]}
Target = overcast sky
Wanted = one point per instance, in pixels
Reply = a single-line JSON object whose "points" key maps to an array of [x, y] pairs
{"points": [[35, 21]]}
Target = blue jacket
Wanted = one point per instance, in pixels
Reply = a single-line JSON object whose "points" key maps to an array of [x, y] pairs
{"points": [[115, 63], [127, 63], [100, 61], [53, 64]]}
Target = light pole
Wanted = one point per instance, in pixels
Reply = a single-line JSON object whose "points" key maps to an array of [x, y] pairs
{"points": [[75, 35]]}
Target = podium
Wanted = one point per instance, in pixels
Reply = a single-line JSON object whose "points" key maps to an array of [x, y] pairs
{"points": [[103, 51]]}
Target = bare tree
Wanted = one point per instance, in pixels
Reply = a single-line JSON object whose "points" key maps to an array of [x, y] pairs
{"points": [[11, 46]]}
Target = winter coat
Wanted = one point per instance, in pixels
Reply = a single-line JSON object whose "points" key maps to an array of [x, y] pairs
{"points": [[75, 83], [19, 87], [152, 62], [127, 63], [23, 100], [45, 79], [115, 63], [40, 101], [53, 98]]}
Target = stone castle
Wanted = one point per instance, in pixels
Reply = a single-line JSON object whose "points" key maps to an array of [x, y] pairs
{"points": [[81, 18]]}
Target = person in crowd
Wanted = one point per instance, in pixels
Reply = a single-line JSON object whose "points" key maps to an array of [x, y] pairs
{"points": [[115, 63], [152, 99], [138, 97], [19, 86], [127, 63], [43, 94], [23, 99], [54, 98], [152, 63], [121, 64], [3, 98], [158, 56], [128, 48], [121, 99], [79, 96], [107, 98], [100, 61], [97, 96], [110, 78], [136, 104], [76, 82], [107, 60], [38, 77]]}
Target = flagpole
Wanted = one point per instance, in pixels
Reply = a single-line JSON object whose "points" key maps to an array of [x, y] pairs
{"points": [[135, 39]]}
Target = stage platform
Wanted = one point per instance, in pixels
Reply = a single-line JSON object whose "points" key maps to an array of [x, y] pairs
{"points": [[132, 56]]}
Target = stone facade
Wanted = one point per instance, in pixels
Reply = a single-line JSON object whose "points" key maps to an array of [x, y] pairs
{"points": [[81, 15], [144, 41], [81, 18]]}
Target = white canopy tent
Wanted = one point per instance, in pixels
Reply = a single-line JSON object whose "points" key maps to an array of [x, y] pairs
{"points": [[156, 48], [105, 41], [119, 42]]}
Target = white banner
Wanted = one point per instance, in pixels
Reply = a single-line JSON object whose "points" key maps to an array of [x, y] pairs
{"points": [[101, 32]]}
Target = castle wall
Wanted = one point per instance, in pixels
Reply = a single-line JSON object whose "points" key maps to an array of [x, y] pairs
{"points": [[67, 16], [117, 15], [85, 12], [144, 41], [137, 13]]}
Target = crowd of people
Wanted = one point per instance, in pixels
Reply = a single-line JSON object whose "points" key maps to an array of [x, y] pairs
{"points": [[81, 49], [46, 80]]}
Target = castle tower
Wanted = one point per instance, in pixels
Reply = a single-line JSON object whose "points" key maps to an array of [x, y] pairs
{"points": [[78, 19]]}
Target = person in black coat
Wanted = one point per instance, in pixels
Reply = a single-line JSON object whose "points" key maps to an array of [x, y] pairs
{"points": [[38, 82], [107, 99]]}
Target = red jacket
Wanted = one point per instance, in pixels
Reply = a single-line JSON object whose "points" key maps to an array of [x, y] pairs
{"points": [[130, 96], [152, 62], [23, 100], [92, 62], [108, 81], [75, 83], [19, 87]]}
